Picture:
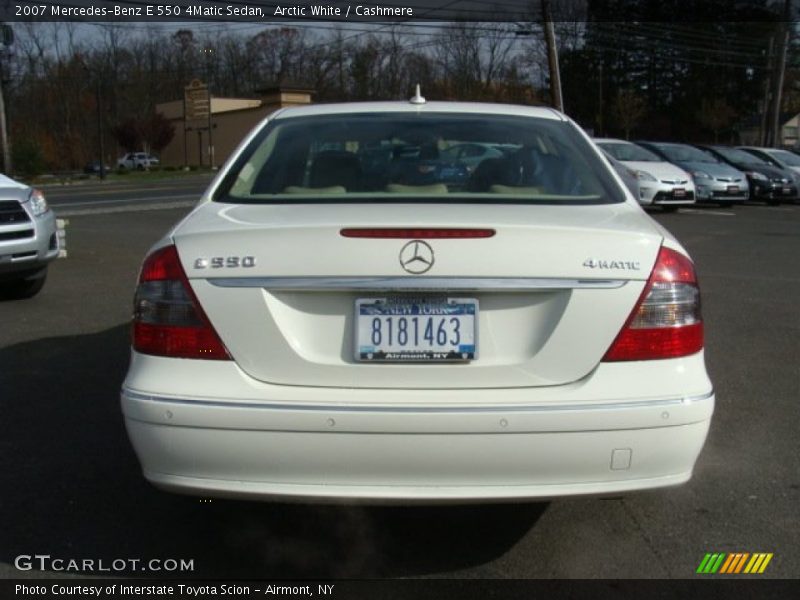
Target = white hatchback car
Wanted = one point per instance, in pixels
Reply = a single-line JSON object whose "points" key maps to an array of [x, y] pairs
{"points": [[661, 183], [326, 325]]}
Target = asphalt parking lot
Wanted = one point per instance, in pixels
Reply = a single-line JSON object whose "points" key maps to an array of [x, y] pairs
{"points": [[71, 485]]}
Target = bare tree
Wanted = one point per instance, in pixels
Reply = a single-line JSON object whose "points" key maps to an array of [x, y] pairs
{"points": [[629, 108], [715, 114], [472, 57], [56, 85]]}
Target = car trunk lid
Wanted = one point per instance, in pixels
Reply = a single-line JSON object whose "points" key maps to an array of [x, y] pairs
{"points": [[554, 285]]}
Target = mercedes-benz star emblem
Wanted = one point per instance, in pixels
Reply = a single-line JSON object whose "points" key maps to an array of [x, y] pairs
{"points": [[416, 257]]}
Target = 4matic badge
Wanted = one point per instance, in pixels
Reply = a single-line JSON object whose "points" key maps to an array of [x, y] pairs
{"points": [[595, 263]]}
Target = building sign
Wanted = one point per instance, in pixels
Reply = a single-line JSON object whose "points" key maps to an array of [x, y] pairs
{"points": [[196, 101]]}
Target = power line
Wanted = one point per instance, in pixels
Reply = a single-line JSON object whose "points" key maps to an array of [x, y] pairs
{"points": [[665, 35]]}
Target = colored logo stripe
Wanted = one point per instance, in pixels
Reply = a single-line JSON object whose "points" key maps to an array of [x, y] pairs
{"points": [[711, 562], [758, 563], [733, 563]]}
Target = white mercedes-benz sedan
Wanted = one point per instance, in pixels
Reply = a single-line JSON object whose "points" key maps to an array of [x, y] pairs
{"points": [[348, 315]]}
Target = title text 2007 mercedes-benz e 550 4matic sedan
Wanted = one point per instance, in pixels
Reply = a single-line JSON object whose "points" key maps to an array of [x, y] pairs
{"points": [[346, 314]]}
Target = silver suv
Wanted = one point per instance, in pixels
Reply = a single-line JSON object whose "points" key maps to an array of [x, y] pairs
{"points": [[28, 239]]}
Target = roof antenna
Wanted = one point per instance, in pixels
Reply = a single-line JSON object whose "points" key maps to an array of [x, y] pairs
{"points": [[417, 99]]}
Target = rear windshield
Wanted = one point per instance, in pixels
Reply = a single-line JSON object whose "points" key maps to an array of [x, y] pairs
{"points": [[400, 157], [786, 157], [740, 156], [629, 152], [681, 153]]}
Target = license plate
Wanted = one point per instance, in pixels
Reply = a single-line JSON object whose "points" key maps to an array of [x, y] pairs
{"points": [[787, 190], [679, 192], [733, 189], [416, 329]]}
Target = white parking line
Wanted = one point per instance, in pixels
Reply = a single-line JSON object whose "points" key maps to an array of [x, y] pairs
{"points": [[126, 208], [109, 190], [717, 213], [58, 205]]}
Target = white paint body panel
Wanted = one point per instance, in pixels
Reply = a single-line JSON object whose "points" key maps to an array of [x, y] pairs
{"points": [[292, 338], [207, 428]]}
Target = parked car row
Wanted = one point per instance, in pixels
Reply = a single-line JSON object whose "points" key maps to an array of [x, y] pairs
{"points": [[766, 181], [671, 175]]}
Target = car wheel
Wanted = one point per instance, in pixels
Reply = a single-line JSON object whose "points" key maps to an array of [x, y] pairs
{"points": [[773, 202], [669, 209], [23, 288]]}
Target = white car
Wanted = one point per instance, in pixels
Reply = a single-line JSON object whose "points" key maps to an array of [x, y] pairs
{"points": [[28, 239], [471, 155], [138, 161], [629, 176], [315, 329], [660, 182]]}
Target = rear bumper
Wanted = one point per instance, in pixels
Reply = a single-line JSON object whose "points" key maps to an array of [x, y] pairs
{"points": [[406, 468], [501, 450]]}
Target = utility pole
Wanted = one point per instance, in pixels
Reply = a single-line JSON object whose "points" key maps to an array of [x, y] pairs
{"points": [[763, 131], [100, 144], [600, 99], [210, 136], [7, 166], [8, 39], [552, 57], [209, 52], [99, 109], [185, 135], [777, 92]]}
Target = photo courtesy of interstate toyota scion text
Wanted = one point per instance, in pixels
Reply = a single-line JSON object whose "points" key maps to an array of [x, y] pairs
{"points": [[356, 311]]}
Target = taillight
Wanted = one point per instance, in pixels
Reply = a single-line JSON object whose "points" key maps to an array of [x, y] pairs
{"points": [[666, 321], [418, 233], [167, 318]]}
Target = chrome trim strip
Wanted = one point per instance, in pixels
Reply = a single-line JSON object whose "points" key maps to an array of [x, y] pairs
{"points": [[461, 284], [129, 394]]}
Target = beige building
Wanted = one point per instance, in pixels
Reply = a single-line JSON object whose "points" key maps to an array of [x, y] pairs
{"points": [[230, 119], [750, 132]]}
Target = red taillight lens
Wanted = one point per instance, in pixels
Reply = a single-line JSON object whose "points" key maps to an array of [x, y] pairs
{"points": [[666, 321], [167, 319], [162, 264], [416, 233]]}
